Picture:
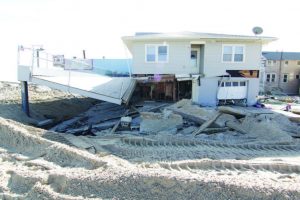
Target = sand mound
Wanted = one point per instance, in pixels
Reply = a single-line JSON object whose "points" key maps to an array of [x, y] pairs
{"points": [[265, 131], [17, 139]]}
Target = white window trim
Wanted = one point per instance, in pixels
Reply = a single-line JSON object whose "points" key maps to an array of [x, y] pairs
{"points": [[233, 52], [271, 63], [271, 77], [156, 53], [287, 79]]}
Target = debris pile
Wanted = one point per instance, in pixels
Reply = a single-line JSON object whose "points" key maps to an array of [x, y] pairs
{"points": [[238, 124]]}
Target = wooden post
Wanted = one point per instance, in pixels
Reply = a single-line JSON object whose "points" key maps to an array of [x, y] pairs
{"points": [[83, 51], [24, 93]]}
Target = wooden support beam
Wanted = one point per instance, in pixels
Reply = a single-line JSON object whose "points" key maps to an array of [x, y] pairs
{"points": [[206, 124], [24, 94]]}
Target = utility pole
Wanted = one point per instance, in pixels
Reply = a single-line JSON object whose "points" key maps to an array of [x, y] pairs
{"points": [[280, 66], [83, 51]]}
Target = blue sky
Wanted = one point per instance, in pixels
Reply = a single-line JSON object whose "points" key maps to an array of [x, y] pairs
{"points": [[69, 26]]}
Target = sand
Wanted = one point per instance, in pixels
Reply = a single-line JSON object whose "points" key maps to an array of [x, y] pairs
{"points": [[128, 166]]}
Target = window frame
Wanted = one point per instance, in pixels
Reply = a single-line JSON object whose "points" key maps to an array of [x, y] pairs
{"points": [[287, 78], [286, 63], [233, 53], [270, 62], [156, 53], [270, 79]]}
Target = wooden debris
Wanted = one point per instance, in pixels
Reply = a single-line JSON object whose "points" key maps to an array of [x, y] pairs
{"points": [[215, 130], [113, 130], [45, 122], [206, 124]]}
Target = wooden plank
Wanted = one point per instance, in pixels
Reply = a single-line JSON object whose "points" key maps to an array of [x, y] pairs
{"points": [[118, 123], [215, 130], [206, 124]]}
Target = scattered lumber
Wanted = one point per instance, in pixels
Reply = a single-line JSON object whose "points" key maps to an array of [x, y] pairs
{"points": [[113, 130], [215, 130], [206, 124]]}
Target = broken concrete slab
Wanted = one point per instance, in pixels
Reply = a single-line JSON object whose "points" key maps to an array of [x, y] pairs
{"points": [[188, 130], [195, 113], [156, 122]]}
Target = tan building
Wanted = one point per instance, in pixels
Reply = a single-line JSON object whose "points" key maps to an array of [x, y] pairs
{"points": [[282, 70]]}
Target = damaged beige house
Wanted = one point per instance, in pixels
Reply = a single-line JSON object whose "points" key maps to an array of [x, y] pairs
{"points": [[205, 67]]}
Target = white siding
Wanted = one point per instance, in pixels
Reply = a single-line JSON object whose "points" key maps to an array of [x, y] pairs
{"points": [[179, 59], [213, 65]]}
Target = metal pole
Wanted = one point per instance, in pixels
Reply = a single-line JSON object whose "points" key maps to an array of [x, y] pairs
{"points": [[280, 68], [24, 92], [83, 51]]}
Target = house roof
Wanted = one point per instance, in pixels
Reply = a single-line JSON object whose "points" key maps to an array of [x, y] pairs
{"points": [[193, 36], [272, 55]]}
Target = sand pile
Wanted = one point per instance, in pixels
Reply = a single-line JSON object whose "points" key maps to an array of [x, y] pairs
{"points": [[264, 131]]}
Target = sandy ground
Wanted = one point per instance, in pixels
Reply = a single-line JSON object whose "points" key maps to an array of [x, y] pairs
{"points": [[129, 166], [44, 104]]}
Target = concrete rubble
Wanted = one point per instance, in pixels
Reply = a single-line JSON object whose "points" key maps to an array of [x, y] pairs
{"points": [[156, 122], [248, 124]]}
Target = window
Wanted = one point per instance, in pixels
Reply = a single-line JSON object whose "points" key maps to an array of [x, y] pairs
{"points": [[298, 62], [227, 53], [227, 84], [297, 76], [235, 84], [162, 53], [233, 53], [151, 53], [156, 53], [271, 77], [268, 77], [274, 61], [243, 83], [285, 78], [270, 63], [286, 62]]}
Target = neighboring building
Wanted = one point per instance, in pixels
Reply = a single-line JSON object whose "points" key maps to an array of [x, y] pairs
{"points": [[208, 68], [282, 70]]}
